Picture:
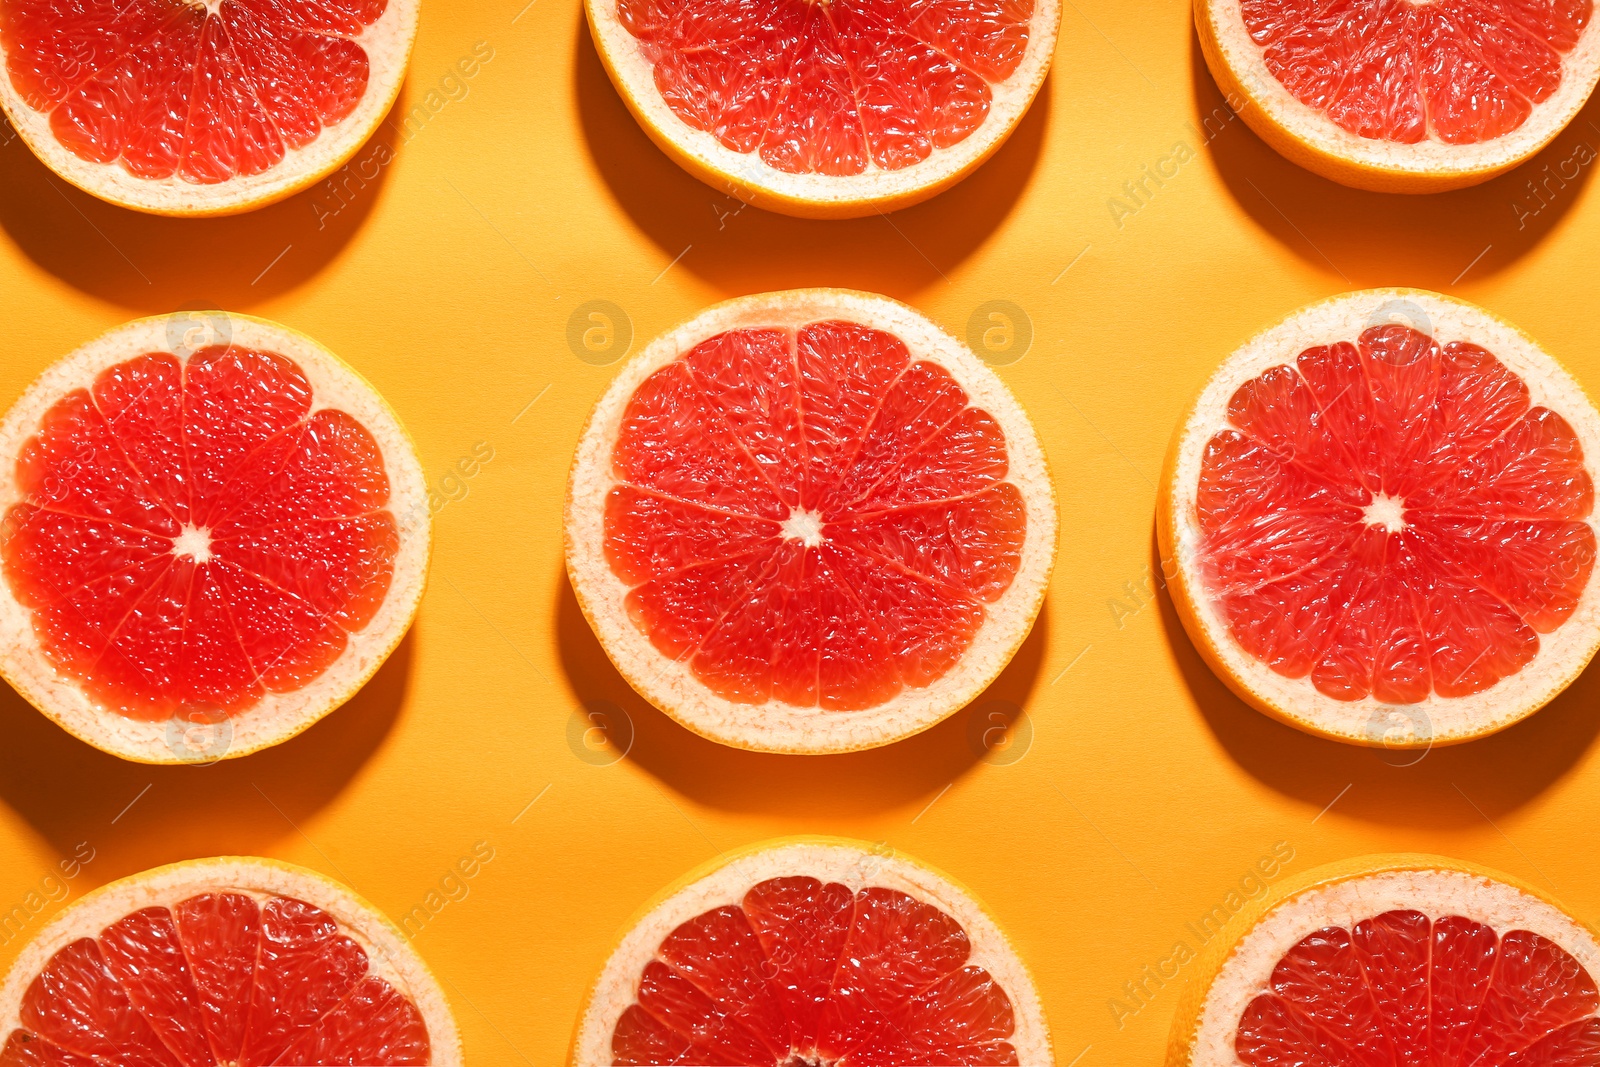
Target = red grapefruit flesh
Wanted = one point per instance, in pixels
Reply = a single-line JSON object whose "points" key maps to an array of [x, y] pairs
{"points": [[824, 88], [808, 516], [834, 109], [874, 977], [814, 951], [169, 87], [879, 555], [193, 535], [1394, 517], [1401, 988], [189, 534], [1391, 517], [171, 105], [1460, 71], [203, 965]]}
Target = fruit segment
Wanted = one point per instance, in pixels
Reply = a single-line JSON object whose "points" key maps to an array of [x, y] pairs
{"points": [[803, 970], [1403, 989], [192, 535], [1394, 518], [173, 89], [810, 515], [219, 978], [1456, 71], [831, 88]]}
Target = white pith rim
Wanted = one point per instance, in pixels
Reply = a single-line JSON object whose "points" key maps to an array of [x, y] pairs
{"points": [[387, 43], [856, 868], [1435, 892], [1562, 654], [777, 726], [746, 175], [1246, 61], [389, 956], [277, 716]]}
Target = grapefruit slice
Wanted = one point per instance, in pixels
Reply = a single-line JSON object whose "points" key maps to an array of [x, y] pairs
{"points": [[809, 521], [200, 107], [829, 110], [1407, 96], [211, 536], [1395, 960], [222, 962], [1377, 521], [818, 951]]}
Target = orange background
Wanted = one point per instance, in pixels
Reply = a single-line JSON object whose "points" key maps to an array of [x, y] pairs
{"points": [[1146, 792]]}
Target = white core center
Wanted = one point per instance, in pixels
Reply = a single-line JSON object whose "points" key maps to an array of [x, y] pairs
{"points": [[194, 542], [1386, 511], [803, 526]]}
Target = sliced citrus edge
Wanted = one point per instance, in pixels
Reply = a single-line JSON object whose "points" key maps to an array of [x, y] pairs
{"points": [[854, 864], [1563, 653], [819, 196], [1308, 137], [390, 956], [277, 716], [387, 42], [1238, 962], [775, 726]]}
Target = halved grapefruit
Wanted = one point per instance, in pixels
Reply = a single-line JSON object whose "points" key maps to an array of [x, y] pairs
{"points": [[200, 107], [809, 521], [212, 534], [1395, 960], [1406, 96], [818, 951], [1378, 523], [223, 962], [827, 110]]}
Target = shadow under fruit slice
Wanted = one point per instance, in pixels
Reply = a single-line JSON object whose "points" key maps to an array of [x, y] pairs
{"points": [[809, 522], [1403, 95], [827, 110], [229, 961], [186, 108], [211, 535], [1394, 960], [1378, 521], [814, 950]]}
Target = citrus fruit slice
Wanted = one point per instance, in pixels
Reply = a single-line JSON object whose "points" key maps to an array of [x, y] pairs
{"points": [[813, 950], [827, 110], [221, 962], [1395, 960], [1408, 96], [184, 107], [1377, 521], [211, 535], [809, 521]]}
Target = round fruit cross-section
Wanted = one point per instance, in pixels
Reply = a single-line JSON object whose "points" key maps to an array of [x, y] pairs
{"points": [[1409, 96], [1378, 521], [809, 522], [211, 535], [814, 950], [229, 962], [1395, 960], [828, 110], [181, 107]]}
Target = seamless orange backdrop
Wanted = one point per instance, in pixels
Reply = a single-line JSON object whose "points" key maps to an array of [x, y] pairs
{"points": [[1140, 233]]}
